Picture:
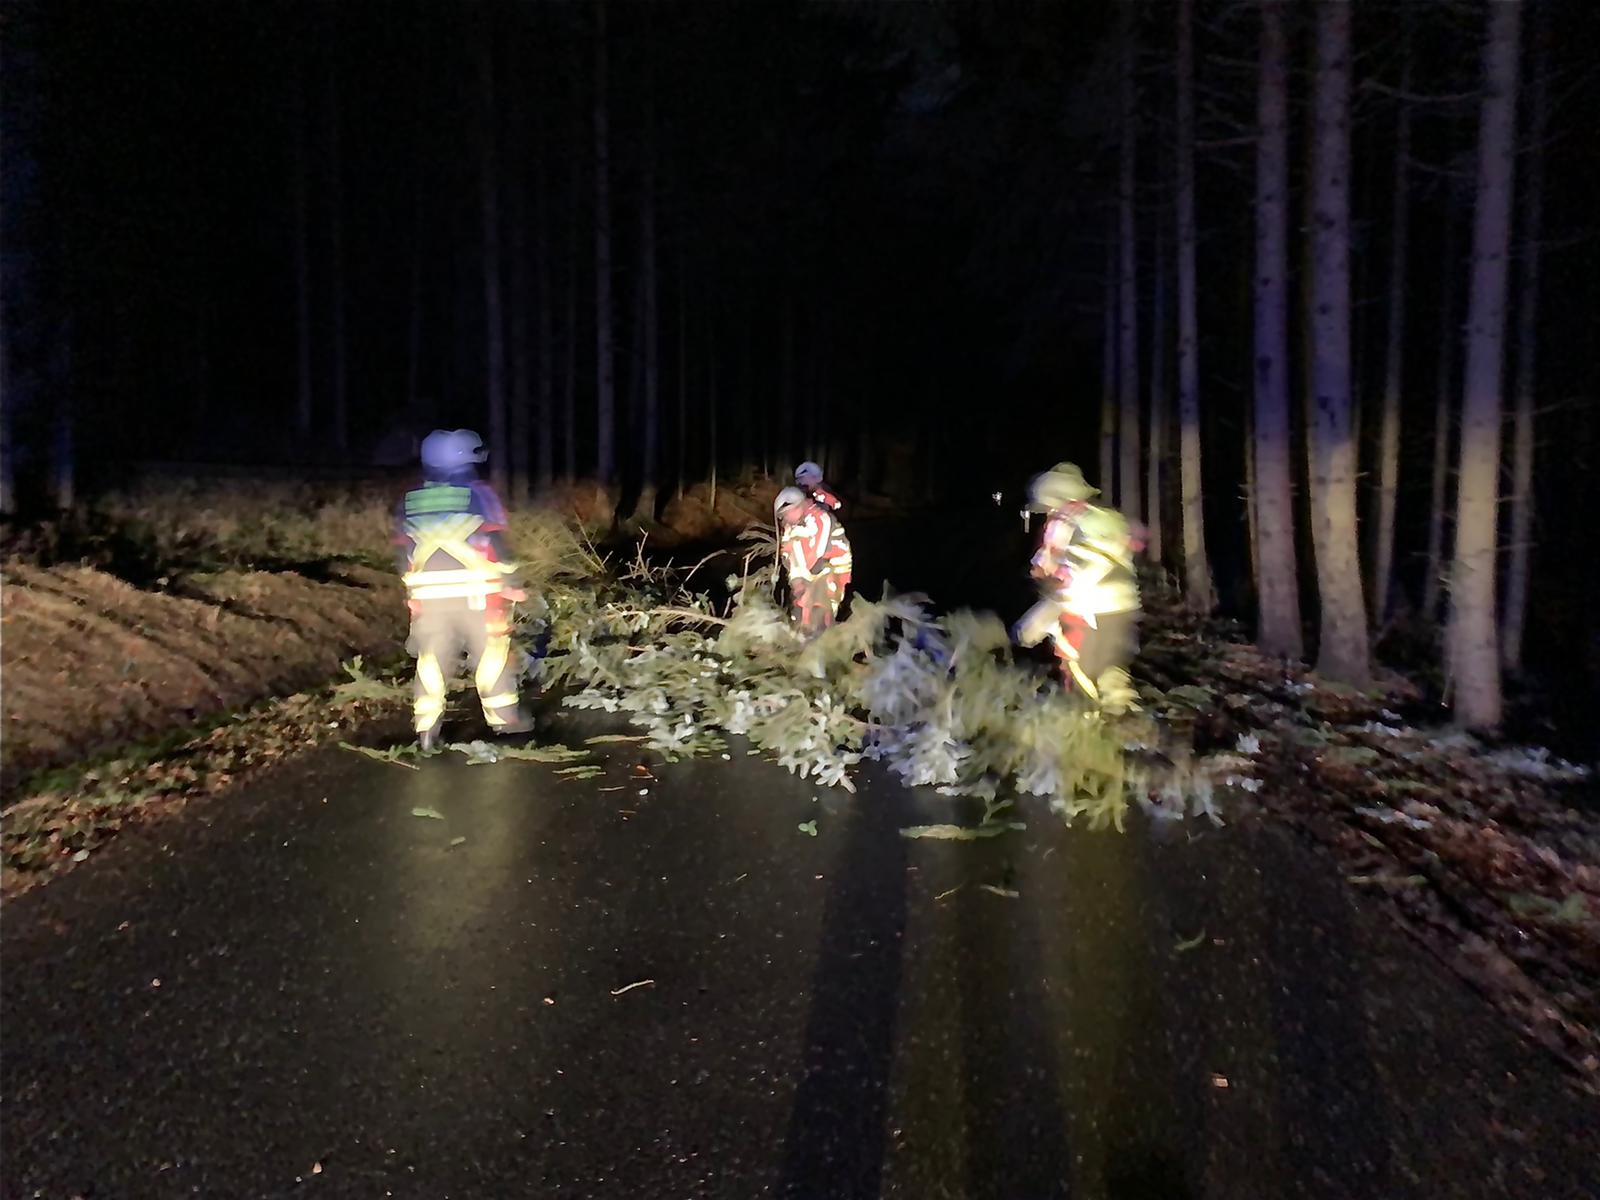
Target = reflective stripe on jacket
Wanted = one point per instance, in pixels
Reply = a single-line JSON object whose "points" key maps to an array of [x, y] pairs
{"points": [[447, 532], [815, 544]]}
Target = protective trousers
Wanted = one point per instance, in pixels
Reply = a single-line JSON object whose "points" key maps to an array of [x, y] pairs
{"points": [[1093, 657], [441, 631], [816, 601]]}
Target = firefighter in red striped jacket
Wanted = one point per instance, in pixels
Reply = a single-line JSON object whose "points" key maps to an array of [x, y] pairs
{"points": [[815, 552], [460, 585], [808, 477]]}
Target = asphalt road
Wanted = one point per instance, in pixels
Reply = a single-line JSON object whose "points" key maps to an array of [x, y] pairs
{"points": [[307, 990]]}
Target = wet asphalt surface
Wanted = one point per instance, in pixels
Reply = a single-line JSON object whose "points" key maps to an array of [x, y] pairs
{"points": [[305, 990]]}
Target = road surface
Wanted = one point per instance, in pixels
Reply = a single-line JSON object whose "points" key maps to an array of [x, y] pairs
{"points": [[306, 990]]}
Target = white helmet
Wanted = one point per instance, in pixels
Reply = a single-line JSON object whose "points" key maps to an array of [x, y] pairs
{"points": [[787, 499], [808, 474], [450, 450], [1061, 485]]}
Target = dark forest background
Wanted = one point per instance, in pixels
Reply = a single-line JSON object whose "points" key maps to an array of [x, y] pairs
{"points": [[877, 235]]}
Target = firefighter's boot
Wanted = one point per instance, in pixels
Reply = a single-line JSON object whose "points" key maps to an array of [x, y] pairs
{"points": [[517, 722]]}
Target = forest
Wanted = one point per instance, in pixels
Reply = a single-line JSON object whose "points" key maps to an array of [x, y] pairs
{"points": [[1309, 905], [1307, 288]]}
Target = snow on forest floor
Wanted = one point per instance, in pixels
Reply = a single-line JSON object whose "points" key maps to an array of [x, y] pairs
{"points": [[1489, 854]]}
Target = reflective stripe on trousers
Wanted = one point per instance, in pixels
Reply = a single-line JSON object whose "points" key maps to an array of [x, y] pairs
{"points": [[440, 632]]}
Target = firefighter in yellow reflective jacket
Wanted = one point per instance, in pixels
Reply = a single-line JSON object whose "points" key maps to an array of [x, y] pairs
{"points": [[1089, 604], [460, 585]]}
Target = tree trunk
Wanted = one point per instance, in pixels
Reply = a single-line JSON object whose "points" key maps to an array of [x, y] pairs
{"points": [[1196, 564], [64, 462], [1515, 611], [1108, 373], [683, 370], [747, 400], [1343, 649], [520, 319], [650, 316], [1443, 443], [605, 399], [1128, 295], [8, 480], [341, 414], [1158, 401], [632, 429], [302, 265], [1471, 637], [787, 398], [1277, 590], [544, 415], [1252, 523], [414, 313], [493, 319], [202, 356], [569, 396], [712, 449], [1393, 362]]}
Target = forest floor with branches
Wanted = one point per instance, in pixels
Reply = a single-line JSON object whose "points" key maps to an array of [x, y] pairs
{"points": [[1490, 856]]}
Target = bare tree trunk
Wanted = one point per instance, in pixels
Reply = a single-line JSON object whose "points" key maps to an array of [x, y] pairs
{"points": [[786, 387], [605, 386], [1196, 564], [683, 369], [1158, 401], [8, 482], [545, 417], [414, 312], [1443, 443], [1251, 517], [302, 264], [1278, 591], [712, 448], [747, 398], [1108, 373], [1471, 636], [64, 462], [650, 316], [1514, 616], [520, 318], [632, 428], [341, 413], [569, 396], [493, 319], [1393, 361], [1343, 649], [1128, 296], [202, 355]]}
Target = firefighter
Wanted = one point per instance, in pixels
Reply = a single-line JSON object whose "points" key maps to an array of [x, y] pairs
{"points": [[808, 476], [1089, 604], [814, 550], [460, 585]]}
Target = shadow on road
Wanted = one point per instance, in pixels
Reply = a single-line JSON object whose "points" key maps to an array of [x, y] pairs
{"points": [[836, 1141]]}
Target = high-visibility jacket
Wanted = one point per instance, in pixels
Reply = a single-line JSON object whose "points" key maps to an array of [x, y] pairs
{"points": [[450, 543], [815, 545], [1086, 561]]}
